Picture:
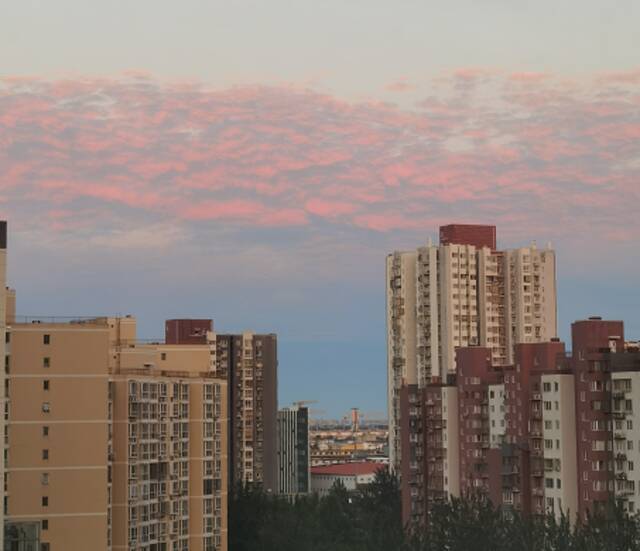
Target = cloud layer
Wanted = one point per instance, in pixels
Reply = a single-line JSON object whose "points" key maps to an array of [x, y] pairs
{"points": [[526, 151]]}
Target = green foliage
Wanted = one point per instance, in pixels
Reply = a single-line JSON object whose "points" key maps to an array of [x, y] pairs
{"points": [[370, 520]]}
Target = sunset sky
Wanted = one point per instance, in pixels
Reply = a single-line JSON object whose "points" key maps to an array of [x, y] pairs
{"points": [[254, 162]]}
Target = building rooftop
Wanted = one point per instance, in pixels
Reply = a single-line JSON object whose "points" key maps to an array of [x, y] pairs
{"points": [[348, 469]]}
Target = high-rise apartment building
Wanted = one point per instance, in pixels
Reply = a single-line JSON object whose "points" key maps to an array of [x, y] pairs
{"points": [[4, 318], [114, 444], [249, 363], [401, 339], [293, 451], [550, 433], [462, 292]]}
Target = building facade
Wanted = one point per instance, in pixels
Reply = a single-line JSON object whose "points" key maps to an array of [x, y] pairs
{"points": [[249, 362], [401, 340], [552, 433], [119, 445], [351, 475], [4, 320], [293, 451], [460, 293]]}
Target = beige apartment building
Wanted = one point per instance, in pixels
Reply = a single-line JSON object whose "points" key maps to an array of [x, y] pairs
{"points": [[461, 292], [114, 444], [4, 317]]}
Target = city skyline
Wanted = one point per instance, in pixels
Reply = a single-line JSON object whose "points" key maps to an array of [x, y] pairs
{"points": [[255, 163]]}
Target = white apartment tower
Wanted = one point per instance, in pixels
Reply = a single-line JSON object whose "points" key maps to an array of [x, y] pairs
{"points": [[462, 292], [401, 338]]}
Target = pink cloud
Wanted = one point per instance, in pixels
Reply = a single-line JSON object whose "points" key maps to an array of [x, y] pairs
{"points": [[141, 150], [329, 209], [209, 210]]}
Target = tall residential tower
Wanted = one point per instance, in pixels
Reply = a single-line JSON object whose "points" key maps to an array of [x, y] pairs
{"points": [[293, 451], [249, 363], [462, 292]]}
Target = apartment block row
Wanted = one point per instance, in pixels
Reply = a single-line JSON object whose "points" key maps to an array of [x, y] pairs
{"points": [[461, 292], [111, 442], [553, 432]]}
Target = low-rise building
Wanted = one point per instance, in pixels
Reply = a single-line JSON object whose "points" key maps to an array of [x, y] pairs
{"points": [[351, 475]]}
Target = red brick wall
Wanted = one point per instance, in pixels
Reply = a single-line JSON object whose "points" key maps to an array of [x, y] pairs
{"points": [[187, 331], [468, 234]]}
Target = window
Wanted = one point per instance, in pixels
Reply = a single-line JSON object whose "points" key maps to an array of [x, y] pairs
{"points": [[45, 454], [46, 339], [45, 547], [45, 501], [45, 384], [44, 479], [45, 524], [558, 483], [46, 408], [45, 431], [163, 356]]}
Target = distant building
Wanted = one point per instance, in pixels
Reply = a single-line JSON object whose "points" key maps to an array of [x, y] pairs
{"points": [[351, 475], [293, 451]]}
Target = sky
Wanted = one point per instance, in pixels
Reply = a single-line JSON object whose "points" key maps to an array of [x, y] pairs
{"points": [[254, 162]]}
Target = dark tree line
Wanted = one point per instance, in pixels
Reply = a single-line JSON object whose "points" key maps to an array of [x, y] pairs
{"points": [[370, 520]]}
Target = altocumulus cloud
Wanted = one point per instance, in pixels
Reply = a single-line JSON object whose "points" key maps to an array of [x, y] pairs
{"points": [[523, 150]]}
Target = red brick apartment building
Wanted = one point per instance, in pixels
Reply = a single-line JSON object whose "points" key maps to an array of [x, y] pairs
{"points": [[550, 433]]}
